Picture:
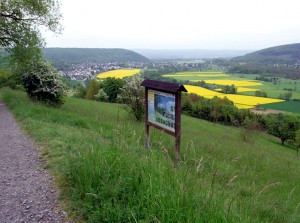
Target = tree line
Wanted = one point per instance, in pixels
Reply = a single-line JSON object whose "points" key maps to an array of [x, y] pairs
{"points": [[114, 90], [280, 71]]}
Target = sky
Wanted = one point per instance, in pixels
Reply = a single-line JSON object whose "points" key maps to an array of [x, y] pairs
{"points": [[174, 24]]}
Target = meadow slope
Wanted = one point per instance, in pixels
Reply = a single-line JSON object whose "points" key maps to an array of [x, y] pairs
{"points": [[97, 155]]}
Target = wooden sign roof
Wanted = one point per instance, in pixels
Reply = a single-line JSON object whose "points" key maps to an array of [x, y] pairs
{"points": [[163, 86]]}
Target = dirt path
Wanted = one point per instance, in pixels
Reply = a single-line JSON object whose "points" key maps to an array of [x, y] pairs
{"points": [[26, 192], [267, 111]]}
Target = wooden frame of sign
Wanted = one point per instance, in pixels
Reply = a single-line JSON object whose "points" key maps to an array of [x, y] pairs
{"points": [[163, 110]]}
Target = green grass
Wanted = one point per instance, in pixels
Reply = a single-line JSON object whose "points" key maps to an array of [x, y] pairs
{"points": [[289, 106], [97, 155]]}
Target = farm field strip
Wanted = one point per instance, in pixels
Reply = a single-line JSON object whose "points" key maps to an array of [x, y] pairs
{"points": [[200, 73], [196, 74], [242, 89], [202, 91], [241, 101], [238, 83], [121, 73]]}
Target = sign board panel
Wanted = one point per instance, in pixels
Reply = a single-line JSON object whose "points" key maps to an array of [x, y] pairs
{"points": [[161, 109]]}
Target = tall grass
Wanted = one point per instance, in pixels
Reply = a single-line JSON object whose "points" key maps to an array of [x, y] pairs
{"points": [[105, 174]]}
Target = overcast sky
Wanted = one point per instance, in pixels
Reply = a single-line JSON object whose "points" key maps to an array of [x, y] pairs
{"points": [[174, 24]]}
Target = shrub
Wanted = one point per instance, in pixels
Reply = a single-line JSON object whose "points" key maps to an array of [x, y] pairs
{"points": [[229, 89], [80, 92], [42, 83], [133, 95], [4, 77], [283, 126], [250, 130], [9, 79], [297, 141], [194, 97], [260, 94], [112, 87], [102, 96], [92, 90], [286, 96]]}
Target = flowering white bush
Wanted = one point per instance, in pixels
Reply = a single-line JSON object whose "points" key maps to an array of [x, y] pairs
{"points": [[133, 95], [42, 83]]}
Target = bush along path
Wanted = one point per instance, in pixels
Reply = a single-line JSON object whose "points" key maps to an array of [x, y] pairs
{"points": [[26, 191]]}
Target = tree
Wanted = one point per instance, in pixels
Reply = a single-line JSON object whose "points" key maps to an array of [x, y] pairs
{"points": [[42, 83], [264, 94], [229, 89], [133, 95], [112, 87], [19, 28], [202, 83], [101, 96], [20, 20], [92, 90], [286, 96], [260, 94], [283, 126], [250, 130], [80, 92]]}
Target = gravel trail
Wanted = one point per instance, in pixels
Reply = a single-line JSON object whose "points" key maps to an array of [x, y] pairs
{"points": [[26, 190]]}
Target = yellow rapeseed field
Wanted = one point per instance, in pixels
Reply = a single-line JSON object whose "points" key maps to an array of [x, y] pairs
{"points": [[202, 91], [244, 100], [121, 73], [240, 101], [242, 89], [237, 83]]}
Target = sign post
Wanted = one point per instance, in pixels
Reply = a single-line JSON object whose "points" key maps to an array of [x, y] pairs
{"points": [[163, 110]]}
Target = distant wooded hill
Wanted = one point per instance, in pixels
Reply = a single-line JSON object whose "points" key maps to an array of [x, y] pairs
{"points": [[190, 53], [281, 61], [67, 56], [285, 54]]}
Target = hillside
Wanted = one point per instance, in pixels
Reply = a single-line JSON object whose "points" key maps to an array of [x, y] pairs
{"points": [[98, 158], [61, 56], [285, 54], [189, 53]]}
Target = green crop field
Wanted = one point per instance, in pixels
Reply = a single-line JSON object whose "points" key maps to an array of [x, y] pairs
{"points": [[274, 90], [289, 106], [97, 155]]}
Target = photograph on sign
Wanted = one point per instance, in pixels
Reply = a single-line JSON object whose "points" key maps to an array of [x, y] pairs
{"points": [[161, 109]]}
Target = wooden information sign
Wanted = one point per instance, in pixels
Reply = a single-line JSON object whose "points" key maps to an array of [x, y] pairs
{"points": [[163, 109]]}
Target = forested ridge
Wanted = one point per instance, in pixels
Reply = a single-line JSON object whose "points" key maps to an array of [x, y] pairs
{"points": [[60, 56], [279, 61], [285, 54]]}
